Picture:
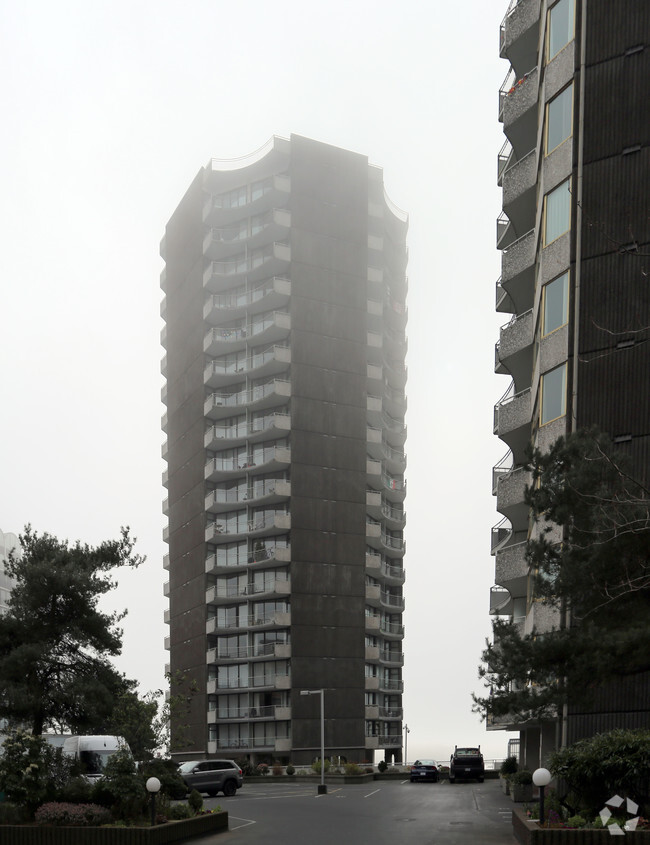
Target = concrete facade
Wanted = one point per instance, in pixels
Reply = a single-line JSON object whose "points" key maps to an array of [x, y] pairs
{"points": [[285, 312], [571, 117]]}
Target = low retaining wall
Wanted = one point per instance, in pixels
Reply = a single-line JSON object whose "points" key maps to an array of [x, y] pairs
{"points": [[160, 834], [528, 832]]}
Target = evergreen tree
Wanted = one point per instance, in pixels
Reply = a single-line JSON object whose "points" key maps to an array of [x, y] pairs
{"points": [[55, 642], [595, 571]]}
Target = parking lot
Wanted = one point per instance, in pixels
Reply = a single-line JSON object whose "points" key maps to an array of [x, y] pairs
{"points": [[380, 812]]}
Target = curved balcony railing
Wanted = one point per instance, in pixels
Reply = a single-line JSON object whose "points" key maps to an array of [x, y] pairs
{"points": [[248, 396], [268, 712], [281, 454], [239, 334], [504, 466], [391, 685], [395, 572], [236, 591], [501, 533], [243, 298], [246, 652], [258, 490], [392, 601], [393, 513], [395, 657], [391, 712], [221, 368], [277, 680], [390, 482], [277, 618], [395, 543], [391, 628], [220, 562], [242, 431], [256, 523], [245, 262]]}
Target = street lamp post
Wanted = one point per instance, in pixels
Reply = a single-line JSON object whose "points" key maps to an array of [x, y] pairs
{"points": [[153, 786], [407, 731], [541, 778], [322, 789]]}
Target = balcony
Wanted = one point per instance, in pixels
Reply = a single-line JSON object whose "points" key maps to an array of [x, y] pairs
{"points": [[500, 535], [391, 685], [372, 624], [393, 630], [373, 594], [269, 459], [270, 361], [511, 568], [394, 575], [221, 242], [513, 352], [519, 34], [518, 103], [221, 405], [268, 327], [512, 421], [271, 295], [271, 523], [518, 272], [511, 488], [392, 602], [391, 658], [218, 563], [373, 563], [268, 491], [220, 209], [224, 593], [262, 428], [372, 653], [166, 562], [254, 265], [501, 603], [371, 683], [272, 620], [520, 193], [374, 409]]}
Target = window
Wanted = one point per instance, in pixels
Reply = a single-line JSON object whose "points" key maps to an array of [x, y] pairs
{"points": [[557, 212], [560, 26], [556, 302], [553, 394], [559, 114]]}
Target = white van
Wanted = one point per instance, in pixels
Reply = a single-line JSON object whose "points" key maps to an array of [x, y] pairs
{"points": [[93, 752]]}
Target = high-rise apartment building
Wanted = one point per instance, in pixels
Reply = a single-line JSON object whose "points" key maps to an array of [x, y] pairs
{"points": [[285, 317], [574, 235], [8, 543]]}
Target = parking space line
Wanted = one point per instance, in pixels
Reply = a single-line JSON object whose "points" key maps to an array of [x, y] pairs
{"points": [[247, 822], [372, 793]]}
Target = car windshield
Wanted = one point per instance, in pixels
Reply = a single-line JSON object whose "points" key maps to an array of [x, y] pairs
{"points": [[468, 752], [425, 762], [188, 766]]}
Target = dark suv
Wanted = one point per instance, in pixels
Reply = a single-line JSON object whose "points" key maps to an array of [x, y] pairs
{"points": [[212, 776], [466, 763]]}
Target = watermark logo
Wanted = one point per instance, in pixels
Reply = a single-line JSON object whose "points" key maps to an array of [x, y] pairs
{"points": [[606, 814]]}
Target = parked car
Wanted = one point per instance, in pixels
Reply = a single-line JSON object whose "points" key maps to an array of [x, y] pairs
{"points": [[212, 776], [466, 764], [424, 770]]}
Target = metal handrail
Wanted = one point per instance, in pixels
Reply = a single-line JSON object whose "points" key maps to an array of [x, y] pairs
{"points": [[251, 394]]}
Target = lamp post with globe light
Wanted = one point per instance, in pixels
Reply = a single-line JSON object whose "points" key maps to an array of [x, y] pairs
{"points": [[153, 786], [541, 778]]}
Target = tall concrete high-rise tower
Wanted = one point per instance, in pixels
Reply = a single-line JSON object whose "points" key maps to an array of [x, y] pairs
{"points": [[575, 240], [285, 317]]}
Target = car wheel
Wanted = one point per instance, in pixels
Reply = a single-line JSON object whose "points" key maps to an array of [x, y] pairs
{"points": [[229, 788]]}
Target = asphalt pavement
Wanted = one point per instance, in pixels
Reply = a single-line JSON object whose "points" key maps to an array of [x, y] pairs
{"points": [[375, 813]]}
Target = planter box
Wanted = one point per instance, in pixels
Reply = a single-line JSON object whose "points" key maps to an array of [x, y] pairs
{"points": [[505, 785], [530, 833], [521, 792], [160, 834]]}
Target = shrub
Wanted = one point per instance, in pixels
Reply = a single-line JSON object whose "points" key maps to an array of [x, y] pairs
{"points": [[382, 765], [75, 815], [576, 821], [12, 813], [277, 768], [352, 769], [245, 766], [179, 811], [121, 789], [171, 783], [76, 791], [290, 770], [316, 766], [522, 777], [263, 769], [509, 766], [195, 800], [31, 770], [594, 769], [369, 770]]}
